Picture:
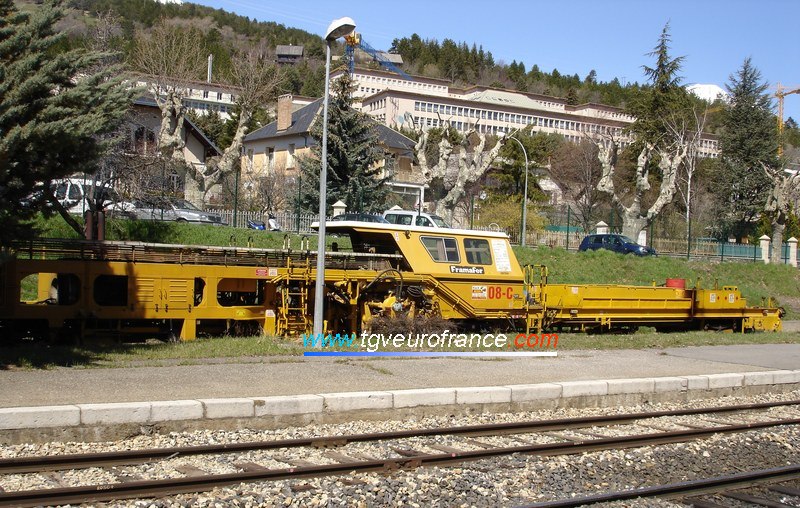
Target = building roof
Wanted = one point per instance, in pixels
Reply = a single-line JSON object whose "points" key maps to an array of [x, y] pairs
{"points": [[303, 118], [301, 124], [284, 50], [187, 124]]}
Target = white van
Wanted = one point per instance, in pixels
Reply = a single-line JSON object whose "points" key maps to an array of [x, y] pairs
{"points": [[75, 193], [410, 217]]}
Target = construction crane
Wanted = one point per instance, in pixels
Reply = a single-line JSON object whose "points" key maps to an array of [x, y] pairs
{"points": [[354, 41], [780, 94]]}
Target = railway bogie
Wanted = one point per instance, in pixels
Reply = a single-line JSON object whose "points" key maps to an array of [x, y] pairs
{"points": [[470, 278]]}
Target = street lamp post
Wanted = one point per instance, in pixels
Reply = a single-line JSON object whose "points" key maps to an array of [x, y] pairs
{"points": [[524, 196], [337, 28]]}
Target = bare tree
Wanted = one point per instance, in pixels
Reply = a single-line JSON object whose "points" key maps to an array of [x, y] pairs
{"points": [[634, 217], [576, 170], [257, 81], [679, 127], [456, 165], [170, 58], [784, 188], [106, 26]]}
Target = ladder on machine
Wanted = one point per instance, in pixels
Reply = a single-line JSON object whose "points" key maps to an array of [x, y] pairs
{"points": [[535, 280], [293, 317]]}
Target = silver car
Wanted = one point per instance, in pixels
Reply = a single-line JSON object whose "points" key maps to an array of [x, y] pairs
{"points": [[173, 209]]}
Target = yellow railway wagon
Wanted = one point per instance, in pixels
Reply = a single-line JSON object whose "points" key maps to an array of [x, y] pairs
{"points": [[391, 271]]}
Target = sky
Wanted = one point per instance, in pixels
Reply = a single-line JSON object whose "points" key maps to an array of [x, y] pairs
{"points": [[612, 37]]}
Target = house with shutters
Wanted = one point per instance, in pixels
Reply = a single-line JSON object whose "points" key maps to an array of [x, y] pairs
{"points": [[274, 149]]}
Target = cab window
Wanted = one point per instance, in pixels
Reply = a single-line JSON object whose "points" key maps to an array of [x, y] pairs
{"points": [[74, 192], [477, 251], [394, 218], [442, 250], [61, 191], [423, 221]]}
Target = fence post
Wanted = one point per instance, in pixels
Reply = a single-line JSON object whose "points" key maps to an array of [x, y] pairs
{"points": [[792, 251], [339, 208], [764, 243]]}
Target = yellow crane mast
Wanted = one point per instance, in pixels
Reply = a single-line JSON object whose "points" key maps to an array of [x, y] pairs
{"points": [[782, 92]]}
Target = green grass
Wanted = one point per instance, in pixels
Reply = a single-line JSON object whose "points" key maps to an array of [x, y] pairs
{"points": [[649, 339], [96, 354], [181, 233], [277, 350]]}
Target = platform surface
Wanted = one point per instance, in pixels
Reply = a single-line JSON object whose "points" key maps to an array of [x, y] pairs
{"points": [[268, 376]]}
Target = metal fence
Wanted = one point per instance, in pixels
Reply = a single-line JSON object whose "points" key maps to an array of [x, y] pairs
{"points": [[287, 221]]}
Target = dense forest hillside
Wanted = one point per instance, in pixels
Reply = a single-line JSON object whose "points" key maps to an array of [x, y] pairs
{"points": [[220, 32], [462, 64]]}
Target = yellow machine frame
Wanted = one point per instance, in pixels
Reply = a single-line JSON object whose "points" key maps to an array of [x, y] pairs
{"points": [[472, 277]]}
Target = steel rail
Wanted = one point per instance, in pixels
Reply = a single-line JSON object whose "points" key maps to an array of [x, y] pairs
{"points": [[682, 489], [172, 486], [76, 461]]}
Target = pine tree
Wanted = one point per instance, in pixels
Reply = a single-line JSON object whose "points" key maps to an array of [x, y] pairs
{"points": [[54, 108], [663, 98], [749, 139], [353, 154], [572, 97]]}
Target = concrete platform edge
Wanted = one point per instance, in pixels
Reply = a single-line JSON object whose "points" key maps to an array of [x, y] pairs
{"points": [[89, 422]]}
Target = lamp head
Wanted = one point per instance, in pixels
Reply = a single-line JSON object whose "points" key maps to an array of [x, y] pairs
{"points": [[339, 27]]}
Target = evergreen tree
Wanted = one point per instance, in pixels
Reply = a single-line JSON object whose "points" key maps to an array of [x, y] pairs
{"points": [[54, 107], [212, 125], [353, 153], [664, 97], [572, 97], [749, 139], [539, 146]]}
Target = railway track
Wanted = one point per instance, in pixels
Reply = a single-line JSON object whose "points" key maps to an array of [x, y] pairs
{"points": [[261, 461], [685, 492]]}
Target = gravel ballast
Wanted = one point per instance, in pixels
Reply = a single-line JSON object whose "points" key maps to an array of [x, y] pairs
{"points": [[505, 481]]}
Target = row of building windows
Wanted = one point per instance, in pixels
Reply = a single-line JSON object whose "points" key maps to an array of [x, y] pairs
{"points": [[511, 118], [208, 94], [269, 158], [204, 106], [493, 129], [377, 104], [386, 82]]}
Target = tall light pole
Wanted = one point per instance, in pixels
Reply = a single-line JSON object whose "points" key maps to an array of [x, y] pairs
{"points": [[524, 196], [337, 28]]}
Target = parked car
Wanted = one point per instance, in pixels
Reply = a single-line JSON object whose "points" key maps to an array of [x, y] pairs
{"points": [[360, 217], [173, 209], [409, 217], [616, 243]]}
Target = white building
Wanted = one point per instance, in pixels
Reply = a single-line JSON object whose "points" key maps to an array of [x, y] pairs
{"points": [[203, 97], [392, 100]]}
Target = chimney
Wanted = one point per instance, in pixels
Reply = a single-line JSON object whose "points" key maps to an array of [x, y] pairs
{"points": [[284, 112], [210, 65]]}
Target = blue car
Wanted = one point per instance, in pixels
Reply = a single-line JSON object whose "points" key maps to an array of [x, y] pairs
{"points": [[616, 243]]}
